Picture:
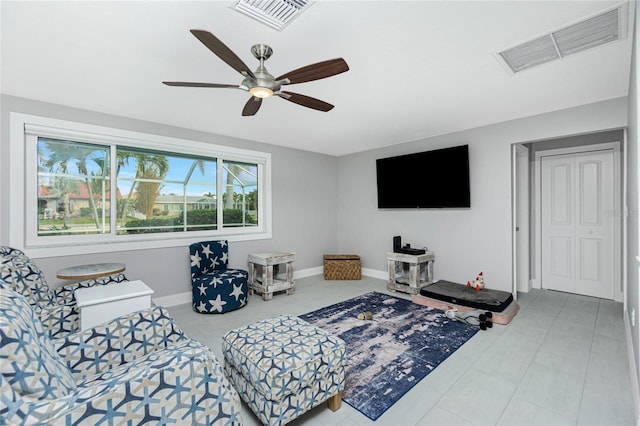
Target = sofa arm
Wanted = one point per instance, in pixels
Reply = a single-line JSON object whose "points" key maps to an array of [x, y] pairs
{"points": [[117, 342], [183, 384], [59, 320], [64, 293]]}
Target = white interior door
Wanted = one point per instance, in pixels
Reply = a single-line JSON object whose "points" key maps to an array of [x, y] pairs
{"points": [[577, 224]]}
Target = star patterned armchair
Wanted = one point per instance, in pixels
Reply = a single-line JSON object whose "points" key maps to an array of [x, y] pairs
{"points": [[56, 308], [216, 288], [139, 368]]}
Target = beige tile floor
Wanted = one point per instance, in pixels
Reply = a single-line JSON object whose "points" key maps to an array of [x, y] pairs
{"points": [[561, 361]]}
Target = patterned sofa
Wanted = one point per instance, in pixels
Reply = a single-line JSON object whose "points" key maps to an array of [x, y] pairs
{"points": [[139, 368], [56, 308]]}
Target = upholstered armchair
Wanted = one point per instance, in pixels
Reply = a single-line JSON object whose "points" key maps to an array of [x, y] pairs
{"points": [[216, 288], [137, 369], [56, 308]]}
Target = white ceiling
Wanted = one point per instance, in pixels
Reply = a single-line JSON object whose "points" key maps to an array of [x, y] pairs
{"points": [[417, 68]]}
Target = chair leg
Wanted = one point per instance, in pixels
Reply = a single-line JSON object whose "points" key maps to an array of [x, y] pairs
{"points": [[333, 403]]}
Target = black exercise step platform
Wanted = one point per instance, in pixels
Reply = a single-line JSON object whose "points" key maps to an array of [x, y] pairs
{"points": [[460, 294]]}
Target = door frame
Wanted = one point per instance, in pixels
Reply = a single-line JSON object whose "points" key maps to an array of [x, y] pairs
{"points": [[617, 223], [520, 155]]}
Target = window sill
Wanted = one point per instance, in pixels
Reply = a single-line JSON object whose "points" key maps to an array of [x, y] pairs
{"points": [[43, 251]]}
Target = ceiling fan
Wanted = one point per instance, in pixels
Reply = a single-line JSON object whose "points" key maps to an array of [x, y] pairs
{"points": [[259, 83]]}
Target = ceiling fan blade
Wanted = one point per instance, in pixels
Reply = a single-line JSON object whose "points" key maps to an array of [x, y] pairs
{"points": [[316, 71], [189, 84], [306, 101], [252, 106], [222, 51]]}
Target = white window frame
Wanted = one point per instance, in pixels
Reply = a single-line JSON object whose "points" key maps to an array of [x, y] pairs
{"points": [[23, 233]]}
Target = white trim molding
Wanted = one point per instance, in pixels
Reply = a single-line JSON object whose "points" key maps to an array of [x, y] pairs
{"points": [[633, 372]]}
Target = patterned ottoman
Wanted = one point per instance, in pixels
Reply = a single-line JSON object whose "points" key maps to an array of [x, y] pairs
{"points": [[284, 366]]}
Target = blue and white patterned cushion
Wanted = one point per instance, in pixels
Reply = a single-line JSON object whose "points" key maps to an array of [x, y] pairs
{"points": [[122, 340], [283, 366], [28, 359], [136, 369], [19, 273], [208, 256], [215, 288], [220, 292], [10, 251], [65, 294], [56, 308]]}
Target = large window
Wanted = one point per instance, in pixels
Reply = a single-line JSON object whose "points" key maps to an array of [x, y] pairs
{"points": [[85, 186]]}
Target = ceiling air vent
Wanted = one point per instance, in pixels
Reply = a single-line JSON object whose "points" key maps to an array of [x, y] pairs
{"points": [[274, 13], [589, 33]]}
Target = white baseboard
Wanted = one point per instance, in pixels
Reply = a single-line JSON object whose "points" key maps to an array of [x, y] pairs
{"points": [[173, 299], [309, 272], [374, 273], [635, 387], [185, 297]]}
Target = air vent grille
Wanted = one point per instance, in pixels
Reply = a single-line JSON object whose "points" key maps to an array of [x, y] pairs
{"points": [[587, 34], [530, 54], [275, 13]]}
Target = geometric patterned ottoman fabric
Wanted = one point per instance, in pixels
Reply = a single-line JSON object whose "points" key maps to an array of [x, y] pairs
{"points": [[139, 368], [283, 366], [56, 307], [215, 288]]}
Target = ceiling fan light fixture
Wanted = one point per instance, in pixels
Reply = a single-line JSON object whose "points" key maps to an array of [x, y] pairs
{"points": [[261, 92], [261, 83]]}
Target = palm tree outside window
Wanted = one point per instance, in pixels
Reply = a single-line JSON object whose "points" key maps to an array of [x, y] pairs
{"points": [[155, 191]]}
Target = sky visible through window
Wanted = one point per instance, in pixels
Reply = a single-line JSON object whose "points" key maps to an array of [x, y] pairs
{"points": [[202, 180]]}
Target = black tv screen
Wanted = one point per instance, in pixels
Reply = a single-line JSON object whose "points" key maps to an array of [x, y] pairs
{"points": [[430, 179]]}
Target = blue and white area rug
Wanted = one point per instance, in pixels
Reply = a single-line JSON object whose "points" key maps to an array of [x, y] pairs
{"points": [[391, 353]]}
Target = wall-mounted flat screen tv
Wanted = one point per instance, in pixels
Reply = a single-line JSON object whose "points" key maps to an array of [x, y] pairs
{"points": [[430, 179]]}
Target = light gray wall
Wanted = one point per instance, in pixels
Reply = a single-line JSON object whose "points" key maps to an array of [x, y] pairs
{"points": [[633, 203], [324, 204], [465, 241], [304, 200]]}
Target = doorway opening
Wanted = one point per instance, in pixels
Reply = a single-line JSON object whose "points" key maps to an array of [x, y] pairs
{"points": [[566, 198]]}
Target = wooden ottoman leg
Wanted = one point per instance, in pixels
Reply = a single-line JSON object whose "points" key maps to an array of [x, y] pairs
{"points": [[333, 403]]}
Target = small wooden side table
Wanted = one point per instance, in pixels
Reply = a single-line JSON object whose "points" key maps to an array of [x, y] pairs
{"points": [[409, 273], [94, 270], [102, 303], [262, 277]]}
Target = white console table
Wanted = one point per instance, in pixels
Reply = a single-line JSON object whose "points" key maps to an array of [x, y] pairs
{"points": [[265, 280], [103, 303], [409, 273]]}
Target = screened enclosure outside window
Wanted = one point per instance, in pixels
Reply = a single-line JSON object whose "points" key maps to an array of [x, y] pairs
{"points": [[165, 192], [86, 188], [73, 188], [156, 191], [240, 198]]}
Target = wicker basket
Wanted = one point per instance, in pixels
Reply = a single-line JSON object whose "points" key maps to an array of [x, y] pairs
{"points": [[342, 267]]}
